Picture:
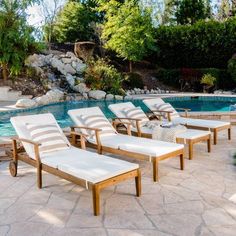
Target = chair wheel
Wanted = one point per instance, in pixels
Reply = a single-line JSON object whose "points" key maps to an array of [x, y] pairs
{"points": [[13, 168]]}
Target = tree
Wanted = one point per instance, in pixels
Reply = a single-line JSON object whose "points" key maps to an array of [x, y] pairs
{"points": [[49, 11], [16, 40], [128, 31], [190, 11], [75, 22]]}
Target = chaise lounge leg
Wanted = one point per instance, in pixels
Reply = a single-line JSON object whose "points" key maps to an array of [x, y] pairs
{"points": [[138, 183], [39, 176], [229, 133], [190, 149], [96, 200], [155, 169], [215, 136], [181, 156], [14, 164], [209, 144]]}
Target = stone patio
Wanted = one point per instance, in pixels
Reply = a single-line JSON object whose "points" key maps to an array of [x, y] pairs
{"points": [[198, 201]]}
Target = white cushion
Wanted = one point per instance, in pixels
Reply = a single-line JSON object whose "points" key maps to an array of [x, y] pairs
{"points": [[19, 124], [99, 122], [166, 107], [77, 116], [189, 134], [48, 135], [86, 165], [151, 103], [200, 122], [136, 113], [118, 108], [144, 146]]}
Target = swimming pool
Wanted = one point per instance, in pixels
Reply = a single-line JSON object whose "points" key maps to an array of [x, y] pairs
{"points": [[60, 109]]}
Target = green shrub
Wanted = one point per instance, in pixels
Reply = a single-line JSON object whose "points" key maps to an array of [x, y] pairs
{"points": [[204, 44], [232, 68], [208, 80], [133, 80], [177, 78], [100, 75], [170, 77]]}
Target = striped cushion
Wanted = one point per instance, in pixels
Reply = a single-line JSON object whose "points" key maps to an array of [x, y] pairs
{"points": [[48, 135], [136, 113], [166, 107], [99, 122]]}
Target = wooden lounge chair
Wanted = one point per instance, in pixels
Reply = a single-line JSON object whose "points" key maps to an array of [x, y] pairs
{"points": [[103, 136], [127, 110], [54, 154], [159, 107]]}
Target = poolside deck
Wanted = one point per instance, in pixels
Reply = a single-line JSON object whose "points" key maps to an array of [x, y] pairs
{"points": [[199, 201]]}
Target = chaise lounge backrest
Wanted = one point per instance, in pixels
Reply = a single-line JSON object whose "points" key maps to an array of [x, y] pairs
{"points": [[20, 125], [159, 104], [92, 117]]}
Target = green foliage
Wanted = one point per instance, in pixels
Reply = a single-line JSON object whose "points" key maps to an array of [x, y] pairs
{"points": [[191, 11], [170, 77], [232, 68], [133, 80], [16, 40], [127, 30], [75, 23], [204, 44], [208, 79], [100, 75], [234, 159], [175, 78]]}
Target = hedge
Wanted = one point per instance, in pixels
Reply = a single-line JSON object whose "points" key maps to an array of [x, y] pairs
{"points": [[202, 45], [177, 78]]}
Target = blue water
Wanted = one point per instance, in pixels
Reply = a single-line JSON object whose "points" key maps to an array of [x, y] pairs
{"points": [[60, 110]]}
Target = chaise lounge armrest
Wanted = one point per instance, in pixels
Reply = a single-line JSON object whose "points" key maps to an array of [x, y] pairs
{"points": [[36, 147], [124, 118], [118, 121], [82, 136], [162, 111], [85, 127], [26, 141], [186, 110], [96, 130]]}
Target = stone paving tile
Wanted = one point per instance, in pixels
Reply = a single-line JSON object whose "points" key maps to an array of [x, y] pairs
{"points": [[199, 201], [77, 232], [125, 232], [180, 224], [28, 228]]}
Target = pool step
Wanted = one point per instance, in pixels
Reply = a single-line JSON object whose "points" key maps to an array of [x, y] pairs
{"points": [[7, 94]]}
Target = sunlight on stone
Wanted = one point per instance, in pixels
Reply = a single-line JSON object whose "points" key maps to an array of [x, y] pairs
{"points": [[233, 198], [50, 218]]}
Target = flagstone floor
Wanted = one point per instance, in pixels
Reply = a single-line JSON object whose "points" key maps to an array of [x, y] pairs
{"points": [[201, 200]]}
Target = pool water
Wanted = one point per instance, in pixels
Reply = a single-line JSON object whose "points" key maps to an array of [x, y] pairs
{"points": [[59, 110]]}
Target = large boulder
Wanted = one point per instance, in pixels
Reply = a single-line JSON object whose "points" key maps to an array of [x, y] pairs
{"points": [[57, 64], [43, 100], [81, 88], [35, 60], [109, 96], [69, 69], [26, 103], [70, 79], [55, 95], [97, 94]]}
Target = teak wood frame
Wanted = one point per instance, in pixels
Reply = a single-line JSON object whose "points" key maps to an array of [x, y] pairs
{"points": [[101, 149], [139, 133], [96, 188], [215, 131]]}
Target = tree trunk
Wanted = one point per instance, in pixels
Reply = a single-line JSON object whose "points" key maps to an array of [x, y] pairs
{"points": [[130, 66], [4, 72]]}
